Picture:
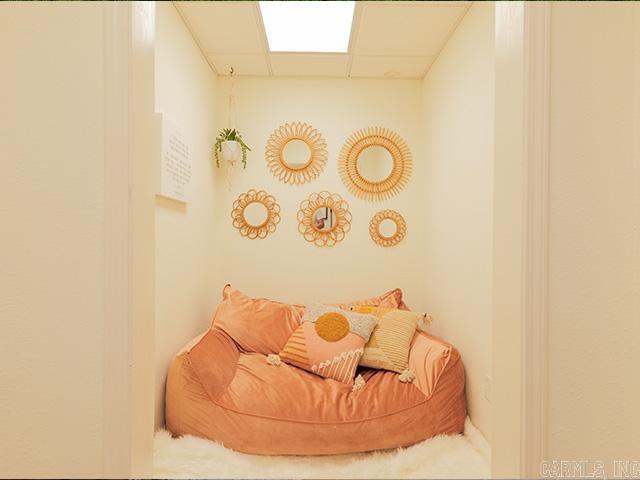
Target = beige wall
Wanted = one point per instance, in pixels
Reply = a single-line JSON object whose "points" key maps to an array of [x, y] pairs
{"points": [[456, 200], [51, 269], [286, 267], [187, 274], [594, 324], [53, 154]]}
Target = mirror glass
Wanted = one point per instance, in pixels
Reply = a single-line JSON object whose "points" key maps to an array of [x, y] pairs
{"points": [[255, 214], [375, 163], [296, 154], [324, 219], [387, 228]]}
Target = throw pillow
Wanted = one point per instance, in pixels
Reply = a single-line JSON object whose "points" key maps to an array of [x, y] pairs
{"points": [[389, 344], [329, 342]]}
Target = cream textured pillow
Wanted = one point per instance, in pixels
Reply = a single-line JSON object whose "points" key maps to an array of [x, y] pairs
{"points": [[329, 342], [389, 344]]}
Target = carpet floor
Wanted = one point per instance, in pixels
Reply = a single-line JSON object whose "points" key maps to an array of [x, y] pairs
{"points": [[444, 456]]}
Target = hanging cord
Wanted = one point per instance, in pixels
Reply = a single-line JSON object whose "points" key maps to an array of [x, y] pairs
{"points": [[231, 122]]}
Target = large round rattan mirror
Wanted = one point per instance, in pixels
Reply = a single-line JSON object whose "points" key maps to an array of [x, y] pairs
{"points": [[387, 228], [296, 153], [255, 214], [324, 219], [375, 163]]}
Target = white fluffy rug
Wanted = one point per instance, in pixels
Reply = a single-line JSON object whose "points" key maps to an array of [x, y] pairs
{"points": [[455, 456]]}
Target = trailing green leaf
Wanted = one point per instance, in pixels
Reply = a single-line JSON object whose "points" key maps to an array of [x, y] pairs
{"points": [[230, 135]]}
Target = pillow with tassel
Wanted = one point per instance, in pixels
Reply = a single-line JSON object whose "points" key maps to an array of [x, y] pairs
{"points": [[389, 344], [328, 342]]}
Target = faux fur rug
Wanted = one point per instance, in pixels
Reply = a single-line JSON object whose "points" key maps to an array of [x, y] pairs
{"points": [[455, 456]]}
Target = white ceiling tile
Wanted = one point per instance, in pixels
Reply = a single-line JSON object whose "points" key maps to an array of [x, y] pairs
{"points": [[224, 27], [414, 3], [390, 67], [329, 65], [407, 28], [243, 64], [396, 38]]}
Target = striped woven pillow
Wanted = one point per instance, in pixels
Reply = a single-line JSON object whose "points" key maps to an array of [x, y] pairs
{"points": [[389, 344], [329, 342]]}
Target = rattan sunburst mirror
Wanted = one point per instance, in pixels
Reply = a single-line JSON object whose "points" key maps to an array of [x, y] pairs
{"points": [[296, 153], [387, 228], [255, 214], [324, 219], [375, 163]]}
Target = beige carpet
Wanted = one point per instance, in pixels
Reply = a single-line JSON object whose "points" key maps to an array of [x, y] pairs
{"points": [[456, 456]]}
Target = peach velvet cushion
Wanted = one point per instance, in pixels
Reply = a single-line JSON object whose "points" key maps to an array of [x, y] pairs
{"points": [[391, 299], [256, 324], [215, 391], [263, 326], [329, 342]]}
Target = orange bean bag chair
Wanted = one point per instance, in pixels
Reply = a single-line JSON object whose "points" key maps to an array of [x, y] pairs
{"points": [[220, 387]]}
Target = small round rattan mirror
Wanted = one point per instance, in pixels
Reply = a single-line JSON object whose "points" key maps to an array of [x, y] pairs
{"points": [[387, 228], [324, 219], [255, 214], [296, 153], [375, 163]]}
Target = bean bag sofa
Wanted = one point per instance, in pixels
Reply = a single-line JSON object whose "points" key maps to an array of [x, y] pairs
{"points": [[221, 387]]}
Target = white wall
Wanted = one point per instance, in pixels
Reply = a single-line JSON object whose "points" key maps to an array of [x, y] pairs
{"points": [[284, 266], [187, 275], [594, 324], [51, 270], [456, 193]]}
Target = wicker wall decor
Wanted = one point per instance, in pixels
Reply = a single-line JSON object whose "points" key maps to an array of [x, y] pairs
{"points": [[352, 176], [384, 240], [296, 173], [324, 219], [271, 217]]}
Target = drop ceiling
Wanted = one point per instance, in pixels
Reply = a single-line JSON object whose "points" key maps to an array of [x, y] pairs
{"points": [[392, 39]]}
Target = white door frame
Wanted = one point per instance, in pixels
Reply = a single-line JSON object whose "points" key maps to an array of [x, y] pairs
{"points": [[131, 147], [521, 204], [537, 35], [520, 238], [117, 411]]}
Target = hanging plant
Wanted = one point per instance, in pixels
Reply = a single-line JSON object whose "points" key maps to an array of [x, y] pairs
{"points": [[231, 146]]}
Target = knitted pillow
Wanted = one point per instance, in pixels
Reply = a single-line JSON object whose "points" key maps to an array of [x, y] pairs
{"points": [[329, 342], [389, 344]]}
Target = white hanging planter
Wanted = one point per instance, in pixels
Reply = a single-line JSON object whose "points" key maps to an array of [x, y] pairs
{"points": [[231, 151]]}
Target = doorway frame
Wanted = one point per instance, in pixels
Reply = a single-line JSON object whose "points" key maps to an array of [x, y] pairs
{"points": [[521, 230], [521, 202], [131, 147]]}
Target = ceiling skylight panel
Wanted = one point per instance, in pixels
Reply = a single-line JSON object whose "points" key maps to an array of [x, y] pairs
{"points": [[308, 26]]}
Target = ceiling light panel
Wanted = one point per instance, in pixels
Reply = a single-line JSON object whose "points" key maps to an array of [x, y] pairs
{"points": [[311, 26]]}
